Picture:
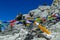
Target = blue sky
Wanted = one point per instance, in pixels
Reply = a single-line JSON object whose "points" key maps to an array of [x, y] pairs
{"points": [[10, 8]]}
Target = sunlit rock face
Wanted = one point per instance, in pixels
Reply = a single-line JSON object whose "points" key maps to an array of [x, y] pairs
{"points": [[40, 11], [26, 15], [55, 6], [36, 12], [55, 2]]}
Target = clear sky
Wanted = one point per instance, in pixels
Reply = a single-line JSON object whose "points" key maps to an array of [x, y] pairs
{"points": [[10, 8]]}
